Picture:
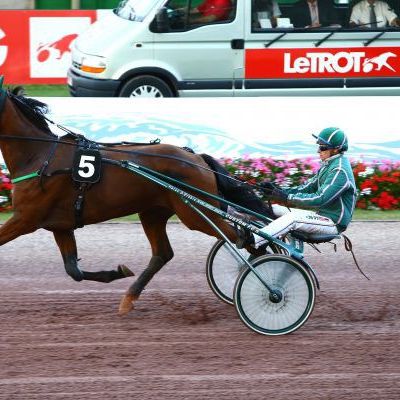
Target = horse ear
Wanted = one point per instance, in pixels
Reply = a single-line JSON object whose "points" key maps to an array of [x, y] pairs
{"points": [[19, 91]]}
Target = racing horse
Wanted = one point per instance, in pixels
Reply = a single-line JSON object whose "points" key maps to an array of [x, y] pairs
{"points": [[46, 196]]}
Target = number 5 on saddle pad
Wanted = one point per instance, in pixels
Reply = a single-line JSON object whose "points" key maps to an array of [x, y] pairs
{"points": [[87, 166]]}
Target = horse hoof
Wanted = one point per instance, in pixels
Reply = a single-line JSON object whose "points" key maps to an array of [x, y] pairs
{"points": [[126, 305], [124, 271]]}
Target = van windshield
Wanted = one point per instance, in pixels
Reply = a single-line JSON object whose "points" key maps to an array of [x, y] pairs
{"points": [[134, 10]]}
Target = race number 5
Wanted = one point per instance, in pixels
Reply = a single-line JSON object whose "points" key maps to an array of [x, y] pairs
{"points": [[87, 166]]}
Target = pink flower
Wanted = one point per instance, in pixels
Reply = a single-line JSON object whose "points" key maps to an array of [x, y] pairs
{"points": [[384, 168]]}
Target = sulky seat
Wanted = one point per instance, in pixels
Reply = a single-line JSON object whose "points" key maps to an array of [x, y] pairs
{"points": [[313, 237]]}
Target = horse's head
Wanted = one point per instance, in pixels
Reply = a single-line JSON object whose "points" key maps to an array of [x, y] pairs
{"points": [[23, 126], [33, 110]]}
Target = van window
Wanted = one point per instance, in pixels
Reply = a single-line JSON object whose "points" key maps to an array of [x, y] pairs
{"points": [[134, 10], [191, 14], [265, 14], [330, 14]]}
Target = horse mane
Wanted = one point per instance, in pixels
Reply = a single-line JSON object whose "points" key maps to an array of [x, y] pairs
{"points": [[34, 110]]}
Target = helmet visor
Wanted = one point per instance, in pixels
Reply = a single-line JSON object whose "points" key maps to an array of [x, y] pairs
{"points": [[323, 142]]}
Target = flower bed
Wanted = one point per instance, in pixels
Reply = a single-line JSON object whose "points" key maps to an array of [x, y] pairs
{"points": [[5, 191], [378, 182], [379, 185], [285, 173]]}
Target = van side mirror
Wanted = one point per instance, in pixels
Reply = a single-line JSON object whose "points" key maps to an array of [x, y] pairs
{"points": [[160, 23]]}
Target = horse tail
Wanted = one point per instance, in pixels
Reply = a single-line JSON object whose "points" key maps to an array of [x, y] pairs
{"points": [[236, 192]]}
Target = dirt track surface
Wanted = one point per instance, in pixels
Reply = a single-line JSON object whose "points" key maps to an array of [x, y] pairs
{"points": [[64, 340]]}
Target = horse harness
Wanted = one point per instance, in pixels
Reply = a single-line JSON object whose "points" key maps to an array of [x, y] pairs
{"points": [[87, 166], [85, 170], [87, 162]]}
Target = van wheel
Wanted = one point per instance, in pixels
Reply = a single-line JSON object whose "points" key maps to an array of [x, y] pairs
{"points": [[145, 86]]}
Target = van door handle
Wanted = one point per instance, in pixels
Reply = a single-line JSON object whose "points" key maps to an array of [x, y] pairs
{"points": [[237, 44]]}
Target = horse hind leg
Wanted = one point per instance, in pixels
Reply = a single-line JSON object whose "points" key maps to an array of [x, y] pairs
{"points": [[67, 245], [154, 222]]}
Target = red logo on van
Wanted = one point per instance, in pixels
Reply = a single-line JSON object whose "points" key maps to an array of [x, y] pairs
{"points": [[378, 62], [56, 49], [322, 63]]}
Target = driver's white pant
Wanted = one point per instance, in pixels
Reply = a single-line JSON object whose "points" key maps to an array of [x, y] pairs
{"points": [[295, 219]]}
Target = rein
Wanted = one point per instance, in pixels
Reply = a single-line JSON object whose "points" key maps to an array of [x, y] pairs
{"points": [[80, 140], [109, 147], [25, 177]]}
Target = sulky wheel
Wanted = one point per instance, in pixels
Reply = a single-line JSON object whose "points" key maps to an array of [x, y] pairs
{"points": [[275, 316], [223, 267]]}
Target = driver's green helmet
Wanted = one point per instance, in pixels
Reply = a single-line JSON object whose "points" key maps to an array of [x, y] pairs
{"points": [[333, 138]]}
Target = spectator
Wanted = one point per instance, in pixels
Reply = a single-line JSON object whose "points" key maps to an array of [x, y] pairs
{"points": [[211, 11], [265, 10], [314, 14], [373, 14]]}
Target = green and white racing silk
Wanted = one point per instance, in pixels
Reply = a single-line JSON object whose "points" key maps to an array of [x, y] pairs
{"points": [[331, 192]]}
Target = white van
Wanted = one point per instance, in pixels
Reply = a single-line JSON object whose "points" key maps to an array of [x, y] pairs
{"points": [[161, 48]]}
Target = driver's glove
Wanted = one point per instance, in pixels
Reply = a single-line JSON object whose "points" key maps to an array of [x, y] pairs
{"points": [[268, 187], [279, 195]]}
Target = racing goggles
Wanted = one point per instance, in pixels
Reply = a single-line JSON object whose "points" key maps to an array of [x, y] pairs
{"points": [[323, 144], [324, 148]]}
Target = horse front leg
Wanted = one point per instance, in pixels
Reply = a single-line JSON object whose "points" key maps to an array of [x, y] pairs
{"points": [[13, 228], [67, 244], [133, 293], [154, 222]]}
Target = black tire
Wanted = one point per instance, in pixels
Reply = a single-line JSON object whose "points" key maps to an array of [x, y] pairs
{"points": [[146, 86], [224, 266], [253, 303]]}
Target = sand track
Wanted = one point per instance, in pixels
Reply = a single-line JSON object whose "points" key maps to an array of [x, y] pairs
{"points": [[63, 340]]}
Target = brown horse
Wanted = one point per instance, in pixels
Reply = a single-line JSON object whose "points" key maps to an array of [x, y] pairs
{"points": [[48, 198]]}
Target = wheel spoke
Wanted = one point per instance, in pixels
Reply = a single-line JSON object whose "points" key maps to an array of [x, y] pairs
{"points": [[223, 270], [253, 301], [146, 91]]}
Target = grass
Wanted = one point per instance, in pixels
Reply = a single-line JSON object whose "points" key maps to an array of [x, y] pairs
{"points": [[46, 90], [367, 215], [377, 215]]}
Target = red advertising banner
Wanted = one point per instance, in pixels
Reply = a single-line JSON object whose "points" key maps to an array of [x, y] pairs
{"points": [[35, 44], [322, 63]]}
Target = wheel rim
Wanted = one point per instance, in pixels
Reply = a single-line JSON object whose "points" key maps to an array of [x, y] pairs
{"points": [[226, 267], [146, 91], [255, 307]]}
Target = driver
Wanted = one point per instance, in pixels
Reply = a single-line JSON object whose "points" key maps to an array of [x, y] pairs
{"points": [[329, 197]]}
